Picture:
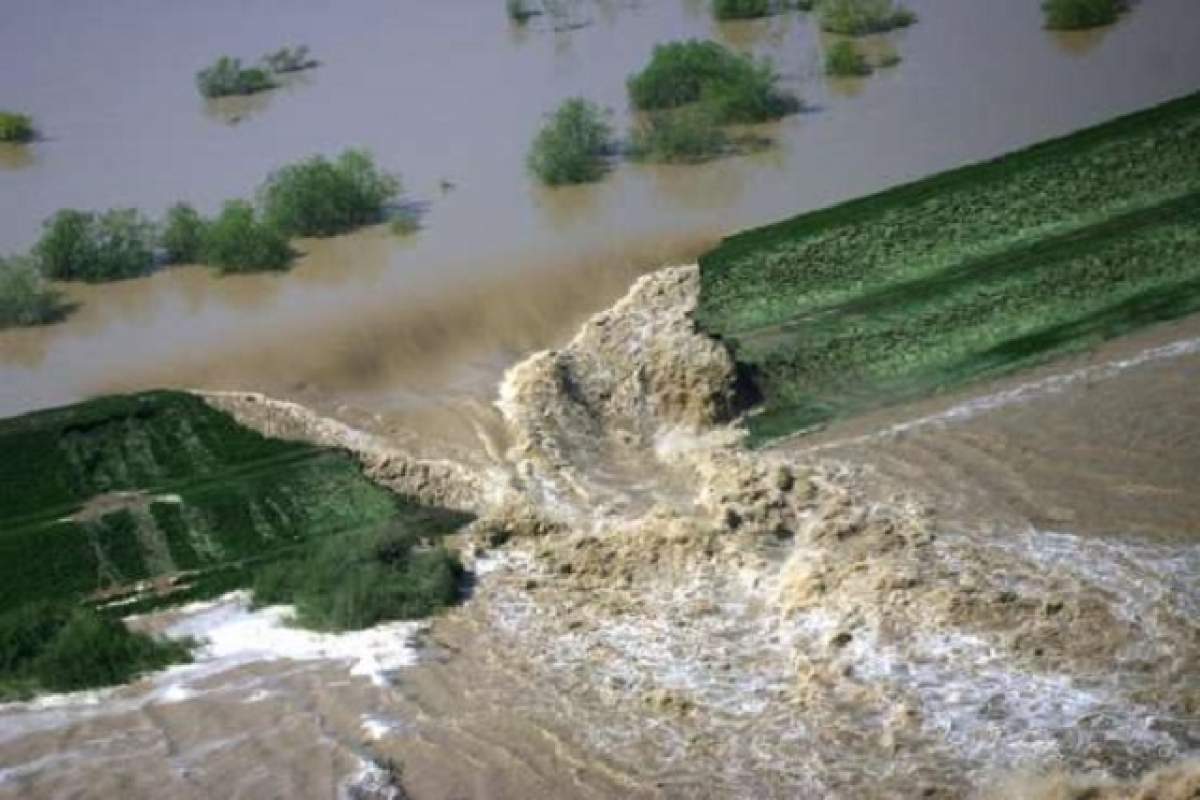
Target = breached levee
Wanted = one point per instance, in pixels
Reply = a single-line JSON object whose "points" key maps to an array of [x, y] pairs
{"points": [[438, 482], [726, 623]]}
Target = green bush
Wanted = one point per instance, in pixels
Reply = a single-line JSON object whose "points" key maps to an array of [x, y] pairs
{"points": [[91, 650], [571, 146], [228, 77], [25, 296], [684, 134], [238, 241], [741, 9], [861, 17], [15, 127], [287, 59], [359, 579], [844, 60], [1076, 14], [182, 235], [318, 197], [737, 88], [81, 245], [54, 647], [520, 11]]}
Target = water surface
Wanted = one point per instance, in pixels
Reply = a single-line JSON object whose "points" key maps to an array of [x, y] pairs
{"points": [[450, 94]]}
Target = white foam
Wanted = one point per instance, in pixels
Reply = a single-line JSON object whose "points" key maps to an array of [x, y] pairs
{"points": [[375, 727], [233, 633], [370, 780]]}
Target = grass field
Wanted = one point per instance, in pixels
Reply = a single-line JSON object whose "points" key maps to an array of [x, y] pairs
{"points": [[967, 274], [99, 497]]}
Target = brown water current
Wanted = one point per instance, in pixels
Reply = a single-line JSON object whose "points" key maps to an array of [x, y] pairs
{"points": [[450, 95], [945, 600], [661, 614]]}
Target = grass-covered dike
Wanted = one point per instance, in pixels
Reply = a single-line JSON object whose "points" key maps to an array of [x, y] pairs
{"points": [[129, 503], [968, 274]]}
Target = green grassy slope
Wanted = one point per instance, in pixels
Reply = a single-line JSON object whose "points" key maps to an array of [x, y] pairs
{"points": [[98, 496], [966, 274], [125, 503]]}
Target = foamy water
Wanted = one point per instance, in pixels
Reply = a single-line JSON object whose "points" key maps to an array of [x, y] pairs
{"points": [[246, 657]]}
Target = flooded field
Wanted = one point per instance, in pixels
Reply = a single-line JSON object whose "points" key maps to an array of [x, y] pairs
{"points": [[879, 651], [450, 96]]}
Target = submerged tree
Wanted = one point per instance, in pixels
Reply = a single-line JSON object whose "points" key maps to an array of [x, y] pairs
{"points": [[1076, 14], [571, 146]]}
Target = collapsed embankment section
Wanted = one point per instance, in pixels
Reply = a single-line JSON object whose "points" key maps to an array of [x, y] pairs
{"points": [[430, 481], [768, 623]]}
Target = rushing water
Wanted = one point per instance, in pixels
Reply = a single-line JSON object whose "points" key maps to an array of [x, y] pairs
{"points": [[409, 336], [453, 92]]}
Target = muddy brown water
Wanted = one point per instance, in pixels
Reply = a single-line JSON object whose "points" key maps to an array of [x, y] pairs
{"points": [[1105, 443], [409, 336]]}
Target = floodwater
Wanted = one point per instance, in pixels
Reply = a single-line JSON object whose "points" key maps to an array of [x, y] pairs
{"points": [[450, 95], [409, 336], [1105, 444]]}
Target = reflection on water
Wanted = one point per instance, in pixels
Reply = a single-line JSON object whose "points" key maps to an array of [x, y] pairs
{"points": [[746, 34], [15, 156], [1078, 43], [454, 92], [570, 204], [234, 110]]}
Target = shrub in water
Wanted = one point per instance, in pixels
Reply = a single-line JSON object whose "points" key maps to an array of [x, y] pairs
{"points": [[360, 579], [571, 146], [90, 650], [1075, 14], [844, 60], [15, 127], [57, 647], [182, 235], [685, 134], [860, 17], [520, 11], [237, 241], [80, 245], [318, 197], [738, 88], [228, 77], [749, 94], [287, 59], [25, 296], [741, 9]]}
